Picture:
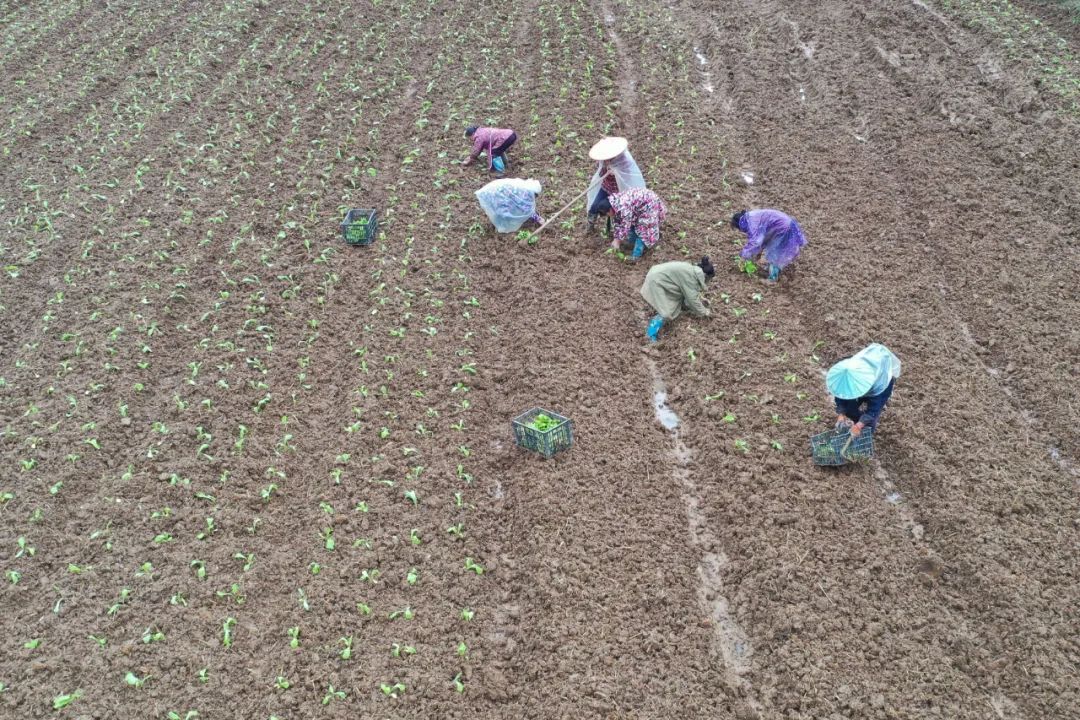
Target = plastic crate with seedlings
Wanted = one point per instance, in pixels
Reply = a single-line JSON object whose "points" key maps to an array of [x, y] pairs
{"points": [[359, 226], [543, 431]]}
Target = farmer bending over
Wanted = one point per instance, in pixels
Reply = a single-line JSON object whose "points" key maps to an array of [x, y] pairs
{"points": [[776, 236], [638, 213], [493, 141], [510, 202], [616, 171], [864, 380], [672, 286]]}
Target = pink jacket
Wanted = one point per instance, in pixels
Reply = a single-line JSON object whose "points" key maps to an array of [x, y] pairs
{"points": [[485, 139]]}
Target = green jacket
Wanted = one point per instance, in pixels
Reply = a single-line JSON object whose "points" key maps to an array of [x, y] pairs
{"points": [[672, 286]]}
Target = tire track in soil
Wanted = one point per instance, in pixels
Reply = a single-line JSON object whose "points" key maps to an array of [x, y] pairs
{"points": [[604, 577], [627, 75], [730, 639], [734, 645]]}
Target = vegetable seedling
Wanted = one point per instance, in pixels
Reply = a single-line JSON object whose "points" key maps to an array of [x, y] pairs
{"points": [[392, 690], [227, 631], [332, 694], [62, 701], [133, 680], [543, 423]]}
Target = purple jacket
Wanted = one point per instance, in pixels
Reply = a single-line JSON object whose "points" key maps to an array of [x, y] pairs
{"points": [[771, 232]]}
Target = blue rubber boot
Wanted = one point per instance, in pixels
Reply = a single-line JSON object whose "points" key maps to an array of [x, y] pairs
{"points": [[654, 327], [774, 272], [498, 163], [639, 248]]}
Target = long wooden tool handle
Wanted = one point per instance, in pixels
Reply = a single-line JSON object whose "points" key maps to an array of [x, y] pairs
{"points": [[577, 197]]}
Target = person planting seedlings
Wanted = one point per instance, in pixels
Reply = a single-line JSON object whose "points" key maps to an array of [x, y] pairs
{"points": [[862, 384], [773, 235], [510, 202], [637, 213], [616, 171], [673, 286], [493, 141]]}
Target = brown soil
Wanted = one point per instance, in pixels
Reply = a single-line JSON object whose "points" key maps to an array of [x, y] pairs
{"points": [[201, 381]]}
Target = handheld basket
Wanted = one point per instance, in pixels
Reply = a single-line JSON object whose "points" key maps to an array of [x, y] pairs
{"points": [[359, 226], [560, 436], [840, 447]]}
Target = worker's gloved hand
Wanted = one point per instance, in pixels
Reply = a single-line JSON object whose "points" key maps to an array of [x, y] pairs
{"points": [[843, 421], [856, 429]]}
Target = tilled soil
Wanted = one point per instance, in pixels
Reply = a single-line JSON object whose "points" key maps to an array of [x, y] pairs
{"points": [[708, 570]]}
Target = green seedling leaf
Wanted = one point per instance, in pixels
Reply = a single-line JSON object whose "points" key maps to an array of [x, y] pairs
{"points": [[392, 690], [134, 680], [62, 701], [227, 631]]}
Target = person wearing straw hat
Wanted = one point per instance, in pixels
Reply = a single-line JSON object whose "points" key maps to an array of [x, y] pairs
{"points": [[616, 171], [772, 234], [493, 141], [861, 385], [671, 287]]}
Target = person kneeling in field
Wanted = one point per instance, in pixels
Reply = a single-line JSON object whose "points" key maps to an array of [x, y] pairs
{"points": [[638, 213], [773, 234], [493, 141], [672, 286], [510, 202], [864, 380]]}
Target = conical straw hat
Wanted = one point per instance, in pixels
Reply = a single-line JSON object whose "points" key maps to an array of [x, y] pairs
{"points": [[608, 148], [850, 378]]}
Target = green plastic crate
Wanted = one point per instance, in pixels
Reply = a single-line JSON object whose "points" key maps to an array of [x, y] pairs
{"points": [[546, 442], [359, 226]]}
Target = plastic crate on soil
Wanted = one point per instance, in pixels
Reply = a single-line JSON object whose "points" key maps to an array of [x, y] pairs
{"points": [[838, 447], [359, 226], [559, 436]]}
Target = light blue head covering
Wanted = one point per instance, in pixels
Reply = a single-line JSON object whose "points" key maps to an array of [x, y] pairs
{"points": [[850, 378], [866, 373]]}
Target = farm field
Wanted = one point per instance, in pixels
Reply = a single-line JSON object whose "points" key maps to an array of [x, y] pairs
{"points": [[247, 470]]}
